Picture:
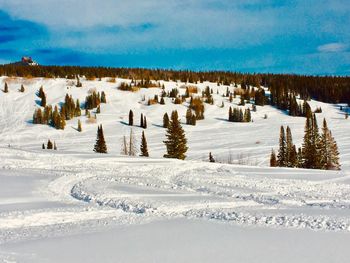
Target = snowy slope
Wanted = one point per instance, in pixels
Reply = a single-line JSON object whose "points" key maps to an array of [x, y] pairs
{"points": [[73, 195]]}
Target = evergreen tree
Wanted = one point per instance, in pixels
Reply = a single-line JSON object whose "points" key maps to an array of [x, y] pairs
{"points": [[22, 88], [329, 155], [211, 158], [43, 100], [162, 102], [6, 88], [143, 147], [131, 118], [144, 122], [79, 126], [230, 114], [273, 160], [100, 145], [282, 151], [43, 146], [176, 140], [247, 116], [188, 116], [54, 146], [141, 121], [311, 143], [98, 110], [165, 120], [49, 145], [103, 97]]}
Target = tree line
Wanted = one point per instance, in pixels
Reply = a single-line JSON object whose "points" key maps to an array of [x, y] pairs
{"points": [[332, 89]]}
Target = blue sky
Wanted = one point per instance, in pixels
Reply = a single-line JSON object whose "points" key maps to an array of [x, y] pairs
{"points": [[296, 36]]}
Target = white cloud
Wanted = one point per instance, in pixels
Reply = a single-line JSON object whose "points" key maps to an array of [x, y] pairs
{"points": [[332, 48]]}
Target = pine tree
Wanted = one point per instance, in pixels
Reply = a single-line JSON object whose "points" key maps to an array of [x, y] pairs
{"points": [[98, 110], [188, 116], [22, 88], [43, 146], [329, 155], [131, 118], [54, 146], [49, 145], [230, 114], [211, 158], [165, 120], [100, 145], [247, 116], [311, 144], [282, 151], [141, 121], [273, 160], [103, 97], [144, 122], [6, 88], [176, 140], [43, 100], [143, 147], [79, 126], [162, 102]]}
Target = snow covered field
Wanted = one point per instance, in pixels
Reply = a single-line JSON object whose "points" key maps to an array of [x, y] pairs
{"points": [[73, 205]]}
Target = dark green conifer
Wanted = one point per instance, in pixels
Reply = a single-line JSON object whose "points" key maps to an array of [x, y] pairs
{"points": [[143, 147], [100, 145], [165, 120], [176, 140], [131, 118]]}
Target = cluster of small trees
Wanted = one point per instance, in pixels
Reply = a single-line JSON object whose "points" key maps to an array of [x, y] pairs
{"points": [[49, 145], [237, 115], [94, 100], [191, 118], [318, 151], [49, 117], [69, 108], [196, 104]]}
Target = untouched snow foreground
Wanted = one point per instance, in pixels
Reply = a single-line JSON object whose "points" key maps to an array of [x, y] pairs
{"points": [[73, 205]]}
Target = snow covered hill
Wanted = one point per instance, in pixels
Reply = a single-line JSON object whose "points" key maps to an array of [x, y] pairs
{"points": [[164, 210]]}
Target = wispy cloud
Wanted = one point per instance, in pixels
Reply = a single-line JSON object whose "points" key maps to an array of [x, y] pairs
{"points": [[226, 34], [332, 47]]}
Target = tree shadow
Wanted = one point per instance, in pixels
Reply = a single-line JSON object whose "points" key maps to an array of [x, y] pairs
{"points": [[157, 125], [124, 123], [222, 119]]}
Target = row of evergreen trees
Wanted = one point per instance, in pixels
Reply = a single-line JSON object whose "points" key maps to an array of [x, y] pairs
{"points": [[176, 142], [49, 117], [318, 151], [143, 120], [237, 115], [324, 88]]}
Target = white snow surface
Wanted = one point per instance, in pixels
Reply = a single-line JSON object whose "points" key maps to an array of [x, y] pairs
{"points": [[74, 205]]}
